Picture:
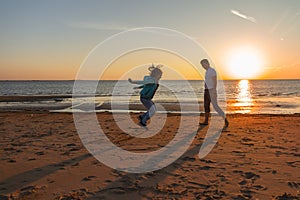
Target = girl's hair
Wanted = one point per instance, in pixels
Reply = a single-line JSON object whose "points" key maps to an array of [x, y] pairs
{"points": [[155, 71]]}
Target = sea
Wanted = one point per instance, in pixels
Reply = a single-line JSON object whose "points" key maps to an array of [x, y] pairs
{"points": [[238, 96]]}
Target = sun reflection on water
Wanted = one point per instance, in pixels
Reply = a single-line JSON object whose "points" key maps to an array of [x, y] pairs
{"points": [[244, 100]]}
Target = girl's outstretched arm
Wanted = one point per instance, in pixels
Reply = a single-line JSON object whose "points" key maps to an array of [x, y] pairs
{"points": [[136, 82]]}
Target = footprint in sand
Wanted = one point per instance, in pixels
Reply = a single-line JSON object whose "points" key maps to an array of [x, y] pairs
{"points": [[250, 175], [247, 193], [292, 164], [243, 182], [287, 196], [187, 158], [88, 178], [294, 185], [259, 187], [40, 153], [25, 192]]}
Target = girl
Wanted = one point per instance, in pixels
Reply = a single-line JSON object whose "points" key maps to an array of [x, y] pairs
{"points": [[149, 85]]}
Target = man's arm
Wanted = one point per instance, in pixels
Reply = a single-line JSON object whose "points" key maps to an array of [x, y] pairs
{"points": [[215, 81]]}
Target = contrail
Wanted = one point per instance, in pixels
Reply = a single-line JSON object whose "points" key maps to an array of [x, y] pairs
{"points": [[282, 18], [239, 14]]}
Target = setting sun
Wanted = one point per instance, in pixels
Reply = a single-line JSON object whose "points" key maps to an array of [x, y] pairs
{"points": [[244, 63]]}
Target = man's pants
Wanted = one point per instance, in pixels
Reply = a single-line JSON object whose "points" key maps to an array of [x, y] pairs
{"points": [[210, 96]]}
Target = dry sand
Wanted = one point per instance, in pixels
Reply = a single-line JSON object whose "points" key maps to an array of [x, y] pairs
{"points": [[42, 157]]}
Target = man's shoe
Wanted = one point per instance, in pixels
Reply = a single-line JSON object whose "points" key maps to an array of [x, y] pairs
{"points": [[204, 123], [226, 123]]}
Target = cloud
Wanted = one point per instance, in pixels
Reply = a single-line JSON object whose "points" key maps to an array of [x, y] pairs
{"points": [[239, 14], [98, 26]]}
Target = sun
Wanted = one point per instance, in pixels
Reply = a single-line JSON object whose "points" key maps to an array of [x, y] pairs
{"points": [[244, 63]]}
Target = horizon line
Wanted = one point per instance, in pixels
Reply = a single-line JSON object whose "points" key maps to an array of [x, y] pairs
{"points": [[161, 80]]}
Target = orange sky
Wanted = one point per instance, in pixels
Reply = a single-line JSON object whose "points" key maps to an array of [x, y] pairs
{"points": [[50, 40]]}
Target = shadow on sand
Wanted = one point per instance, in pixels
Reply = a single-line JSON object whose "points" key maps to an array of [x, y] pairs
{"points": [[23, 179], [127, 181], [128, 186]]}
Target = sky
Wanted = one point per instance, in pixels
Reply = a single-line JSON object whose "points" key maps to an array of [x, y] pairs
{"points": [[50, 40]]}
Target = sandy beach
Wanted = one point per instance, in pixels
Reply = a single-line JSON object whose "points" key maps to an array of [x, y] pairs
{"points": [[107, 100], [42, 157]]}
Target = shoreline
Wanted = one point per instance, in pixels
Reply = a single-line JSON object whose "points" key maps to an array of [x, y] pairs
{"points": [[135, 112], [63, 103]]}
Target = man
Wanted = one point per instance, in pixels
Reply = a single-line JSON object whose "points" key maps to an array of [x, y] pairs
{"points": [[210, 93]]}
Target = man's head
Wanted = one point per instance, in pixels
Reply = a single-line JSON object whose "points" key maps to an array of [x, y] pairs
{"points": [[205, 64]]}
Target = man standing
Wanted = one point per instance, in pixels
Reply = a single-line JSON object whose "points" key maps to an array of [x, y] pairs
{"points": [[210, 93]]}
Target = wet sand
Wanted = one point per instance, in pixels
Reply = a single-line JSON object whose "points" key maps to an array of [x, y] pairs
{"points": [[42, 157]]}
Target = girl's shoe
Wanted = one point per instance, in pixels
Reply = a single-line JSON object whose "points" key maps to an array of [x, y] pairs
{"points": [[142, 124], [140, 117]]}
